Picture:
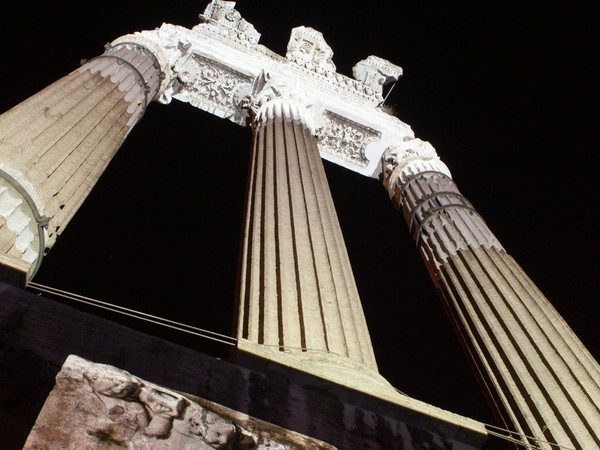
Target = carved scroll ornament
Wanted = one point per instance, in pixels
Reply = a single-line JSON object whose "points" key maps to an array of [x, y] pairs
{"points": [[345, 139]]}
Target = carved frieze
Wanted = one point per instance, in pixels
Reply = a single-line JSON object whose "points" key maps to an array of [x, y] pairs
{"points": [[345, 139], [100, 406], [218, 66], [211, 86]]}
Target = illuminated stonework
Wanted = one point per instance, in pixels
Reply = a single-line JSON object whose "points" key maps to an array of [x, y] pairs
{"points": [[99, 406], [299, 305], [345, 140], [56, 144], [537, 374], [217, 65]]}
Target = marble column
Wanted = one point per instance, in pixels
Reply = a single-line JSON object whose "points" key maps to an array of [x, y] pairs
{"points": [[297, 293], [536, 373], [55, 145]]}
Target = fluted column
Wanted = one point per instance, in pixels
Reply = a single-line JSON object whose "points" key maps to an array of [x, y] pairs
{"points": [[297, 292], [537, 374], [55, 145]]}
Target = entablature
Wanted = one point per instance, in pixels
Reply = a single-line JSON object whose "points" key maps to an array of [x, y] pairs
{"points": [[217, 65]]}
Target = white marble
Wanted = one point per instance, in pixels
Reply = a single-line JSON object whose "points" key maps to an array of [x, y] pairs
{"points": [[217, 65]]}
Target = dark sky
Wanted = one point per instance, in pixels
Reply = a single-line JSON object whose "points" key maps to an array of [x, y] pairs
{"points": [[506, 94]]}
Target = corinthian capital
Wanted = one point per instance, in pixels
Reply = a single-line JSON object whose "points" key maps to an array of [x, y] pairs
{"points": [[219, 66], [408, 158], [272, 98]]}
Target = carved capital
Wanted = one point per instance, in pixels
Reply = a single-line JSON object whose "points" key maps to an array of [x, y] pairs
{"points": [[23, 226], [407, 158], [161, 57], [271, 98]]}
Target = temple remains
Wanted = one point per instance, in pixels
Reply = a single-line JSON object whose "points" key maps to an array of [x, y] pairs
{"points": [[300, 324]]}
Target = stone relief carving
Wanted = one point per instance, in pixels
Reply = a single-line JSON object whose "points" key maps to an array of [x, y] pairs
{"points": [[163, 408], [99, 406], [410, 156], [345, 139], [375, 72], [308, 49], [214, 67], [222, 17], [213, 87]]}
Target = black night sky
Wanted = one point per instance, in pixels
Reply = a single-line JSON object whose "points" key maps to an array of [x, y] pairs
{"points": [[507, 95]]}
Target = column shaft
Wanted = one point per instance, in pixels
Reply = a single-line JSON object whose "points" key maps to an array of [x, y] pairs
{"points": [[537, 374], [56, 144], [297, 291]]}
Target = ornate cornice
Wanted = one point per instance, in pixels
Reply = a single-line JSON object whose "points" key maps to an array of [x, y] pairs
{"points": [[216, 66], [224, 21]]}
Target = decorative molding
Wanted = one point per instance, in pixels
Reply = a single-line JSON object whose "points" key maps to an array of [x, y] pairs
{"points": [[212, 86], [307, 48], [406, 158], [224, 20], [214, 65], [375, 72], [345, 139]]}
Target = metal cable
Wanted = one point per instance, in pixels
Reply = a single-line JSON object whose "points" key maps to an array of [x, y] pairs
{"points": [[510, 436]]}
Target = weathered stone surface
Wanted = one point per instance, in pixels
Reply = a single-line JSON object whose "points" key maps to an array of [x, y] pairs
{"points": [[215, 65], [297, 292], [38, 335], [56, 144], [97, 406], [536, 373]]}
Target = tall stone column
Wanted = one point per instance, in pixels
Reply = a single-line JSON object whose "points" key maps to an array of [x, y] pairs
{"points": [[536, 373], [297, 295], [55, 145]]}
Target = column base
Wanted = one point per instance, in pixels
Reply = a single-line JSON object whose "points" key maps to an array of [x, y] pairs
{"points": [[328, 366], [350, 381]]}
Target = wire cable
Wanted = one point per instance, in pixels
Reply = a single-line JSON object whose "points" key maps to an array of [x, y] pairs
{"points": [[137, 314], [229, 340], [510, 436]]}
